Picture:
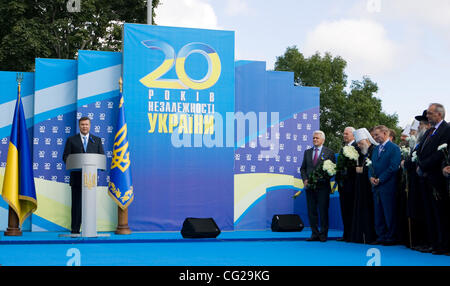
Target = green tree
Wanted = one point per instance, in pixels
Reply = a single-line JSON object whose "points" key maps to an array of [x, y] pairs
{"points": [[365, 109], [338, 109], [47, 29]]}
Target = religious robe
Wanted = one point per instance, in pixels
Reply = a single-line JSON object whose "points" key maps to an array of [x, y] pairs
{"points": [[363, 229]]}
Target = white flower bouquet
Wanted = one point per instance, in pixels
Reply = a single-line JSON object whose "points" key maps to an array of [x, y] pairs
{"points": [[368, 164], [350, 152], [444, 149], [346, 161], [324, 172], [414, 156], [405, 152], [329, 167]]}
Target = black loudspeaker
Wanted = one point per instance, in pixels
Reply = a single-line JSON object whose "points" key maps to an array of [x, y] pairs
{"points": [[288, 222], [199, 228]]}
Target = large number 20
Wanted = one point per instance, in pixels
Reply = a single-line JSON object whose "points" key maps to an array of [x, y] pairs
{"points": [[154, 80]]}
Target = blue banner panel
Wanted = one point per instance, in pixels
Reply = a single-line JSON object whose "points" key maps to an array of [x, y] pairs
{"points": [[268, 160], [178, 89], [98, 99], [55, 121]]}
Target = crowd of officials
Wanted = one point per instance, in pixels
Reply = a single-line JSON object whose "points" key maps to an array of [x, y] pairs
{"points": [[392, 194]]}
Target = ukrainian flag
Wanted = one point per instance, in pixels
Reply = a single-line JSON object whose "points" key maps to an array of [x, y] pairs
{"points": [[120, 188], [18, 184]]}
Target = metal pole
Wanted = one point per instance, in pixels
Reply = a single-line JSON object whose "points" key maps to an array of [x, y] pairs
{"points": [[149, 12]]}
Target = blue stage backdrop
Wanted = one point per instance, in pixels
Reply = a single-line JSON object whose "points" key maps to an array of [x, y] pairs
{"points": [[178, 87], [208, 136]]}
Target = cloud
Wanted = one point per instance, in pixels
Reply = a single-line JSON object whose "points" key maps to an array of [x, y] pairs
{"points": [[236, 7], [433, 12], [362, 43], [186, 13]]}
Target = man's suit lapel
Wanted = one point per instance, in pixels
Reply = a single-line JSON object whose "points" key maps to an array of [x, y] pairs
{"points": [[437, 135], [310, 153], [376, 151]]}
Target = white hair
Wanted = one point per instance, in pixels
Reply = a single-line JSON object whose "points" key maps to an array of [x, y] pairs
{"points": [[351, 128], [322, 134]]}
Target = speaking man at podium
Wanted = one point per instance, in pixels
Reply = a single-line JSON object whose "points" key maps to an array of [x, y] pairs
{"points": [[82, 142]]}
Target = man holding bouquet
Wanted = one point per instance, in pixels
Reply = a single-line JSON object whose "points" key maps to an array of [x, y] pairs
{"points": [[346, 178], [316, 179]]}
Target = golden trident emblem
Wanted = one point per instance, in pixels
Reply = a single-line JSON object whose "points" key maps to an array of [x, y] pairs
{"points": [[121, 155], [90, 180]]}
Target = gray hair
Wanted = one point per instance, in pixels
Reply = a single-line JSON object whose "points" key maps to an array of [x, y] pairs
{"points": [[352, 129], [439, 108], [322, 134]]}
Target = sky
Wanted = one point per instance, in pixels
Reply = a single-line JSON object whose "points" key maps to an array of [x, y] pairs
{"points": [[402, 45]]}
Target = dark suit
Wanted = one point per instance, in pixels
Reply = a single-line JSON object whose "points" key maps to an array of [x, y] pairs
{"points": [[74, 145], [317, 200], [429, 162], [385, 167], [346, 189]]}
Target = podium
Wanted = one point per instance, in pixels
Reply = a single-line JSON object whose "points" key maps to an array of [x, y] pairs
{"points": [[88, 163]]}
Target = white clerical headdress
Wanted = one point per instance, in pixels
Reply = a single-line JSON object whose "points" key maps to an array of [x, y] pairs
{"points": [[362, 134], [406, 130], [415, 125]]}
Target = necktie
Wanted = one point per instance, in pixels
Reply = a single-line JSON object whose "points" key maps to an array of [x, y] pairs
{"points": [[428, 137], [380, 150], [84, 143], [316, 155]]}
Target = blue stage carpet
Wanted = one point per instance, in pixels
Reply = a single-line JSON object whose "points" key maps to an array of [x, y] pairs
{"points": [[236, 248]]}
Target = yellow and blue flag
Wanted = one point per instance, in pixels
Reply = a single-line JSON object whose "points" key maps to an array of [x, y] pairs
{"points": [[120, 188], [18, 184]]}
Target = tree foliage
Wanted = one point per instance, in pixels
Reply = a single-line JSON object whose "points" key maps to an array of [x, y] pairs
{"points": [[338, 108], [47, 29]]}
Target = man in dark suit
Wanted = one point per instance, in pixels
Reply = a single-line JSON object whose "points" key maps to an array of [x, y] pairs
{"points": [[317, 198], [429, 167], [420, 209], [82, 142], [386, 159], [346, 180]]}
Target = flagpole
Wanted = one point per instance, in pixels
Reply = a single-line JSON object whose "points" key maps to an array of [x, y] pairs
{"points": [[122, 215], [13, 224], [122, 222], [13, 220]]}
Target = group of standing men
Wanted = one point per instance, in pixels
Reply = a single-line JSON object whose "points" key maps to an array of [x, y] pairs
{"points": [[391, 196]]}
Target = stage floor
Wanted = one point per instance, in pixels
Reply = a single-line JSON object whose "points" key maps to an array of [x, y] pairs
{"points": [[233, 248]]}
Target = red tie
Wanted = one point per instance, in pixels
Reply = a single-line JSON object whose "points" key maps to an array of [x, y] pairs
{"points": [[316, 155]]}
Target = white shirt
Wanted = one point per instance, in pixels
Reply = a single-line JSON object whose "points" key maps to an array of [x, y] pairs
{"points": [[87, 138], [437, 126], [382, 145]]}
